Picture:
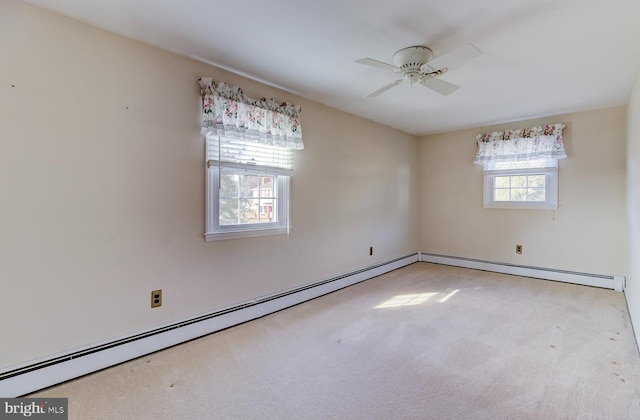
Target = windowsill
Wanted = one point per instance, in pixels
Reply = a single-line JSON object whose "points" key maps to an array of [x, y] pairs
{"points": [[239, 234], [521, 206]]}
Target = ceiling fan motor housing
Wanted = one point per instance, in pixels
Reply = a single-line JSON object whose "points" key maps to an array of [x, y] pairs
{"points": [[412, 58]]}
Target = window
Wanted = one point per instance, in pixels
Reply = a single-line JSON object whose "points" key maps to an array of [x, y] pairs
{"points": [[247, 188], [520, 167], [525, 185], [249, 161]]}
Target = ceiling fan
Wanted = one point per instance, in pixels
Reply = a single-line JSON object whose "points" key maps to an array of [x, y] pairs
{"points": [[417, 66]]}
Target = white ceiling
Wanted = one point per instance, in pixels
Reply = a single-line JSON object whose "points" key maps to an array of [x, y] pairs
{"points": [[540, 57]]}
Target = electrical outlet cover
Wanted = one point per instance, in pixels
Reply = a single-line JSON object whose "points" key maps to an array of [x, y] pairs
{"points": [[156, 298]]}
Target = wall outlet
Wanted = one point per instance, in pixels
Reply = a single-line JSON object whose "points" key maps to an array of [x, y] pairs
{"points": [[370, 250], [156, 298], [518, 249]]}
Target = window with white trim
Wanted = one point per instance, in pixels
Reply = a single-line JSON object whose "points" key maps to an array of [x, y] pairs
{"points": [[520, 167], [525, 185], [247, 188]]}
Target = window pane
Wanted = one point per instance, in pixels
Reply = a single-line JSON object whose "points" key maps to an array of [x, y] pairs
{"points": [[248, 210], [228, 211], [228, 185], [249, 185], [501, 195], [518, 194], [501, 181], [272, 210], [518, 181], [267, 213], [536, 194], [266, 186], [536, 181]]}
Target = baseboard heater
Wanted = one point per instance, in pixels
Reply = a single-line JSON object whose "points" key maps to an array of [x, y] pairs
{"points": [[596, 280], [28, 378]]}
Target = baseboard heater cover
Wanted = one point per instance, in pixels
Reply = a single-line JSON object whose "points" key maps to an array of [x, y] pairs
{"points": [[596, 280], [31, 377]]}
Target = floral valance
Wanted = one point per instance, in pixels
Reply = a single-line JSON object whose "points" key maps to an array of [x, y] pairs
{"points": [[227, 111], [542, 142]]}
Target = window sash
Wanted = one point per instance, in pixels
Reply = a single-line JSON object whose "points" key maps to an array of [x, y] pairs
{"points": [[216, 231], [240, 194], [525, 190], [550, 188]]}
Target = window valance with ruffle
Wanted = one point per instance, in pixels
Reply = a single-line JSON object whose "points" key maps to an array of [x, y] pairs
{"points": [[228, 112], [535, 143]]}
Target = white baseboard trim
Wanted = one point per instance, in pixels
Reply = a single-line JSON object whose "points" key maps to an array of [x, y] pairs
{"points": [[636, 334], [608, 282], [45, 373]]}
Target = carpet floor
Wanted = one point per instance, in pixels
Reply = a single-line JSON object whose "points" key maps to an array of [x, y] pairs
{"points": [[423, 342]]}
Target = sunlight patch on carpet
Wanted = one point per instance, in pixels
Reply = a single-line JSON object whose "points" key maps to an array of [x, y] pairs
{"points": [[446, 298], [414, 299], [406, 300]]}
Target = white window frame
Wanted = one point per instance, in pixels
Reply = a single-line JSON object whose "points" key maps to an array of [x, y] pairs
{"points": [[217, 232], [549, 170]]}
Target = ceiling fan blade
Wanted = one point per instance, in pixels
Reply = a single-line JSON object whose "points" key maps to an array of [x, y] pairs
{"points": [[440, 86], [451, 59], [382, 89], [376, 63]]}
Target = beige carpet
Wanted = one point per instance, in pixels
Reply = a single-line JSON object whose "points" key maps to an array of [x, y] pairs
{"points": [[423, 342]]}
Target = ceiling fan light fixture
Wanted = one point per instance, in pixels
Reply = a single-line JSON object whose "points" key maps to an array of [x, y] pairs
{"points": [[412, 78]]}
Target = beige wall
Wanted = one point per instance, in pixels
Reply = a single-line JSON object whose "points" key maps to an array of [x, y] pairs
{"points": [[633, 196], [102, 186], [587, 233]]}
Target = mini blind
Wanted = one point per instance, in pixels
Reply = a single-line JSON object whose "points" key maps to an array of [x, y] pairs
{"points": [[519, 165], [248, 154]]}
